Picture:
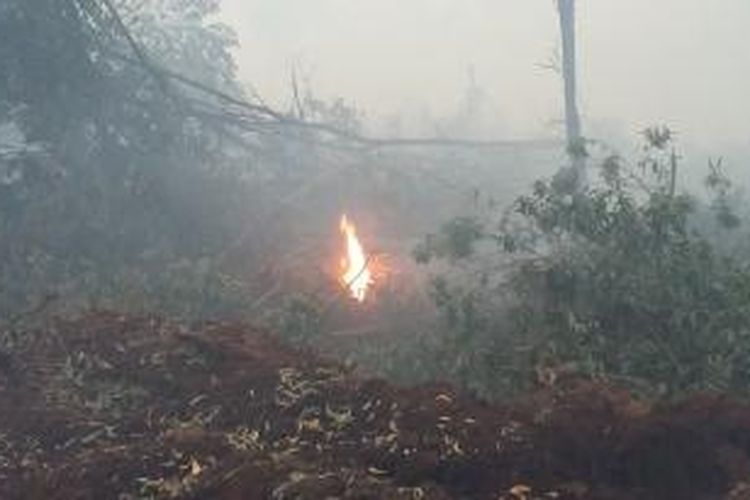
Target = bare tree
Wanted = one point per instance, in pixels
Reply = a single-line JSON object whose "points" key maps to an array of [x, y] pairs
{"points": [[576, 147]]}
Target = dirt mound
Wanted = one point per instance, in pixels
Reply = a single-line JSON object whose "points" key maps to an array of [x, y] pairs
{"points": [[120, 407]]}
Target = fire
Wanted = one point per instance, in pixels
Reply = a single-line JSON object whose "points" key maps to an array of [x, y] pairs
{"points": [[357, 274]]}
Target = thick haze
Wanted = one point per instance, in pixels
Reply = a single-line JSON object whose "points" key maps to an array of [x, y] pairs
{"points": [[685, 63]]}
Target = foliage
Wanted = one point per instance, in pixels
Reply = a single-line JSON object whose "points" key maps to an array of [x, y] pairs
{"points": [[455, 241], [99, 198], [614, 281]]}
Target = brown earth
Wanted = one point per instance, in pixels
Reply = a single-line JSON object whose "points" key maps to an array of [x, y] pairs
{"points": [[113, 407]]}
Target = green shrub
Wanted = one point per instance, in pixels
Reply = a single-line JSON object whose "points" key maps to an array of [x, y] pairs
{"points": [[613, 281]]}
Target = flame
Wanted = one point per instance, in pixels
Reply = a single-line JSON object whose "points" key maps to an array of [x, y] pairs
{"points": [[357, 275]]}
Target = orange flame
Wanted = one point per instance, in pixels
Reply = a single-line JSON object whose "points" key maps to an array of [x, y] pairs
{"points": [[357, 275]]}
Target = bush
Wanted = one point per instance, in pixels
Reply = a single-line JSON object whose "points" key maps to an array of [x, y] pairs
{"points": [[614, 281]]}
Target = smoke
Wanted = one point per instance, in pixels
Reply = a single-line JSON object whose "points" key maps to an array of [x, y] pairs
{"points": [[679, 62]]}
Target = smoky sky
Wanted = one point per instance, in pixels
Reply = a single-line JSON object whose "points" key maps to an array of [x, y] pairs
{"points": [[685, 63]]}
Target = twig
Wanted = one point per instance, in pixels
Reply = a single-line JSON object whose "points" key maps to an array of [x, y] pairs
{"points": [[135, 47], [328, 305], [264, 298], [275, 118], [349, 283]]}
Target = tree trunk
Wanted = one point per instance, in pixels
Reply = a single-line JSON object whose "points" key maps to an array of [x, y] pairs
{"points": [[576, 146]]}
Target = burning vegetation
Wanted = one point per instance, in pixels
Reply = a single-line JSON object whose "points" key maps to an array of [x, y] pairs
{"points": [[482, 323], [356, 276]]}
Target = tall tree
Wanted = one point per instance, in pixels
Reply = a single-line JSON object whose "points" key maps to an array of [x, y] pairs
{"points": [[576, 146], [124, 155]]}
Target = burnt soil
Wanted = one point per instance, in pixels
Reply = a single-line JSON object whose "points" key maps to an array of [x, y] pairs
{"points": [[114, 407]]}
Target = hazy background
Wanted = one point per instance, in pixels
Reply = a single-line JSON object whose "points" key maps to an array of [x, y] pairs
{"points": [[685, 63]]}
